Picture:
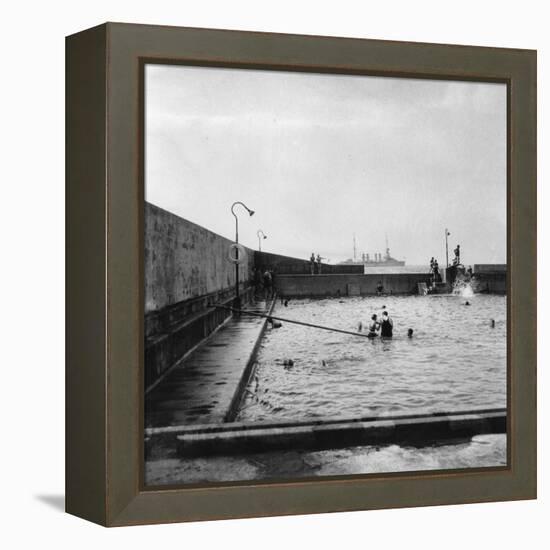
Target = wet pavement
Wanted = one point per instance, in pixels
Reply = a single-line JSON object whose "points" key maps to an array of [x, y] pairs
{"points": [[201, 388], [481, 451]]}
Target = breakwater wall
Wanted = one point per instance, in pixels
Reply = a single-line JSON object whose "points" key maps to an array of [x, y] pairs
{"points": [[486, 278], [186, 270], [349, 284], [288, 265], [490, 278]]}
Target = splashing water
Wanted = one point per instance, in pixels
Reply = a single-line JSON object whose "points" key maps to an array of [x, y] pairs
{"points": [[462, 288]]}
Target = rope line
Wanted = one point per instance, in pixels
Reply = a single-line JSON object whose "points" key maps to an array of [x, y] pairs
{"points": [[254, 314]]}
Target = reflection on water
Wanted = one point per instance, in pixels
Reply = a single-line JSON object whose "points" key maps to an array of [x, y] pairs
{"points": [[455, 360]]}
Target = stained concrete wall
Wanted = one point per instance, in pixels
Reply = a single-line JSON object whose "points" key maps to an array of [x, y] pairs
{"points": [[186, 271], [348, 284], [493, 282], [490, 268], [184, 260], [490, 278]]}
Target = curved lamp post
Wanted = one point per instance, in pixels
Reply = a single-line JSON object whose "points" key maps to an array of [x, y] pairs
{"points": [[250, 213], [260, 232], [447, 234]]}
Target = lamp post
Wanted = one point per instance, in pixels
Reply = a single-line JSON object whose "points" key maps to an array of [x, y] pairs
{"points": [[250, 213], [447, 245], [260, 239]]}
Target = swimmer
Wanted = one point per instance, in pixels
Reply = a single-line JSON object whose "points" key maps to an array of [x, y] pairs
{"points": [[466, 303], [492, 323], [286, 303], [374, 326], [386, 325], [410, 333]]}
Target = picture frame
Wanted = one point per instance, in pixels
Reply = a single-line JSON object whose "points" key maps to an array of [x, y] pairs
{"points": [[104, 273]]}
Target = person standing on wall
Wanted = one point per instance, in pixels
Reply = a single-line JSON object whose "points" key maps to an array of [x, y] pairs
{"points": [[457, 255], [436, 274], [319, 263], [312, 263]]}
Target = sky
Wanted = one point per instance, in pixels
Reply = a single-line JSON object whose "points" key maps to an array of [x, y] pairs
{"points": [[321, 157]]}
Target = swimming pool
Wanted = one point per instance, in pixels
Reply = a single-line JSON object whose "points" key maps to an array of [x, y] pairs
{"points": [[456, 359]]}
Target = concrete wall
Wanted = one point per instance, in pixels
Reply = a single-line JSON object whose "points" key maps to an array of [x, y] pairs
{"points": [[298, 266], [348, 284], [491, 282], [491, 268], [186, 270], [490, 278], [184, 260]]}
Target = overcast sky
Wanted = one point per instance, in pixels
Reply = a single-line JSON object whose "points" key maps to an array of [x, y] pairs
{"points": [[321, 157]]}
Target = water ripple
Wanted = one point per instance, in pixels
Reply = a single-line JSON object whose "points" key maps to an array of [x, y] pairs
{"points": [[455, 359]]}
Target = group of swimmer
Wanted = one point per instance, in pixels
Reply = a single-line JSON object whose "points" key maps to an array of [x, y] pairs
{"points": [[380, 325]]}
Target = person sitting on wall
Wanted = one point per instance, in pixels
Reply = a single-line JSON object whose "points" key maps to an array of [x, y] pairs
{"points": [[386, 326], [379, 288]]}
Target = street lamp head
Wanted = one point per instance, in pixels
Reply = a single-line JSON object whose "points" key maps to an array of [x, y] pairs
{"points": [[250, 212]]}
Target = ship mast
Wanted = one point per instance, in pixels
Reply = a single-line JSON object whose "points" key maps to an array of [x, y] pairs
{"points": [[354, 249], [387, 248]]}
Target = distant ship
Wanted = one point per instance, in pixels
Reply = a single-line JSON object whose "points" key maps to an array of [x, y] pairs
{"points": [[376, 260], [379, 261]]}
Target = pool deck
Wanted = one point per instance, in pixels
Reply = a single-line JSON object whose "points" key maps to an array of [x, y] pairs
{"points": [[206, 386]]}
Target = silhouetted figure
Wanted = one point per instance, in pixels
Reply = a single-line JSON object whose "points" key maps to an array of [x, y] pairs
{"points": [[410, 333], [319, 264], [456, 261], [386, 326], [312, 263], [379, 288], [436, 274], [268, 284]]}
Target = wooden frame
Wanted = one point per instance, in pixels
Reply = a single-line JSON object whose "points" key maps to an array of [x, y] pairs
{"points": [[104, 448]]}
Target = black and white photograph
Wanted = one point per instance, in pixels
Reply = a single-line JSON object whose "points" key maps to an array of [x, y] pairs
{"points": [[325, 275]]}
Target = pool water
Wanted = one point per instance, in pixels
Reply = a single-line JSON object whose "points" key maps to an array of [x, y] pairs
{"points": [[456, 359]]}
